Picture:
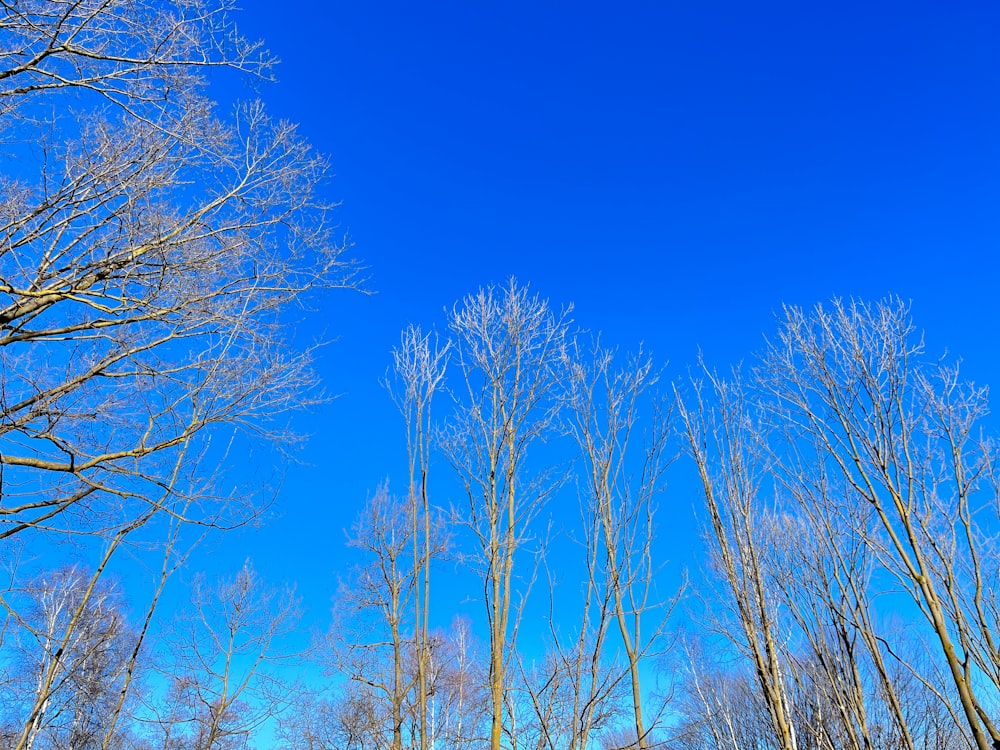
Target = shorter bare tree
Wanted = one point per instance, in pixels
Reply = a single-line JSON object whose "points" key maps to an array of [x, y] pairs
{"points": [[70, 654], [372, 639], [720, 706], [351, 719], [227, 664], [621, 480], [458, 688]]}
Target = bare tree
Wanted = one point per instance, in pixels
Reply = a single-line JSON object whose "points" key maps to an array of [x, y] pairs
{"points": [[151, 246], [850, 471], [373, 608], [71, 652], [721, 708], [573, 691], [173, 559], [458, 700], [349, 720], [732, 463], [509, 352], [227, 665], [148, 249], [903, 434], [620, 483], [827, 659], [67, 619], [419, 368], [372, 636]]}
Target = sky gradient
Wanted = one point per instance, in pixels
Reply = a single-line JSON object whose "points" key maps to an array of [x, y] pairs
{"points": [[677, 171]]}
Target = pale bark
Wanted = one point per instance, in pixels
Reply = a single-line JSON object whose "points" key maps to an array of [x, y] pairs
{"points": [[852, 379], [604, 401], [508, 350], [730, 465], [881, 485], [419, 368]]}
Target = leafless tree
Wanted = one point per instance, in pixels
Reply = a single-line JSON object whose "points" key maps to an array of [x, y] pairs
{"points": [[227, 664], [847, 471], [827, 581], [904, 436], [458, 688], [76, 623], [350, 719], [71, 653], [722, 708], [173, 559], [152, 244], [149, 247], [574, 690], [732, 462], [372, 636], [419, 368], [509, 350], [621, 479]]}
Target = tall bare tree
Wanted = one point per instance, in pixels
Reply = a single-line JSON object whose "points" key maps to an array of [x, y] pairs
{"points": [[419, 367], [732, 462], [509, 350], [621, 479], [152, 244], [904, 435], [850, 470]]}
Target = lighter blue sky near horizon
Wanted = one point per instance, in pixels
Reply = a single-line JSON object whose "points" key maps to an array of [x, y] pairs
{"points": [[677, 171]]}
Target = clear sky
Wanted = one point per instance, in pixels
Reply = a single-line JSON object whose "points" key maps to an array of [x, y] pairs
{"points": [[678, 171]]}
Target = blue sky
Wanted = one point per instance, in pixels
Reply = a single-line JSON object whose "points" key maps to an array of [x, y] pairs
{"points": [[678, 171]]}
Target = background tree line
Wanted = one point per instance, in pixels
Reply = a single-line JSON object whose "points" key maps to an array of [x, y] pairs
{"points": [[151, 248], [850, 512]]}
